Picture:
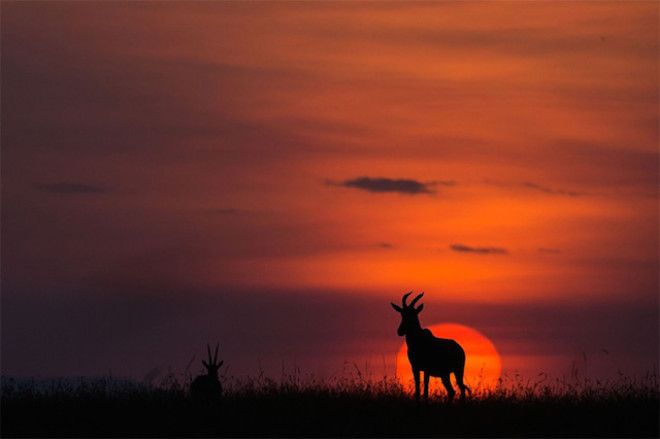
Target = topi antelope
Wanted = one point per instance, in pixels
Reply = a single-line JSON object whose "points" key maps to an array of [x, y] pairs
{"points": [[207, 387], [437, 357]]}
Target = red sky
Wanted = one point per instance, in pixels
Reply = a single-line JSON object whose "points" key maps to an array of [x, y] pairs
{"points": [[163, 162]]}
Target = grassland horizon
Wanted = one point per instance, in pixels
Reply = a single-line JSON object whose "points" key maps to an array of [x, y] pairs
{"points": [[299, 405]]}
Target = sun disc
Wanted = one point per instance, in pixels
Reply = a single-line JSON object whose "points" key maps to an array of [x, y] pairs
{"points": [[483, 364]]}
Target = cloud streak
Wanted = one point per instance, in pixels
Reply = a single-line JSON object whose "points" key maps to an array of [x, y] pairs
{"points": [[548, 190], [535, 187], [461, 248], [69, 188], [383, 185]]}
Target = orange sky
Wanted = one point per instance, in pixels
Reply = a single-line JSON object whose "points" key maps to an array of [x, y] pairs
{"points": [[491, 97], [212, 145]]}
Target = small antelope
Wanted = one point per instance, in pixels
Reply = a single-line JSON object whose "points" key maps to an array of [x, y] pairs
{"points": [[207, 387], [437, 357]]}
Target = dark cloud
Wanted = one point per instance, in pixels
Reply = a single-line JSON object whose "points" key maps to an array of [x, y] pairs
{"points": [[549, 190], [546, 250], [382, 184], [480, 250], [69, 188], [385, 245]]}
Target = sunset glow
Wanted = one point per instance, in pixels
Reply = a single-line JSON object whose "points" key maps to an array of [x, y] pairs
{"points": [[270, 175]]}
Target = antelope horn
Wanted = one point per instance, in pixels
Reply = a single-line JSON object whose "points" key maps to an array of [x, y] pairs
{"points": [[414, 301], [208, 351], [215, 356], [403, 301]]}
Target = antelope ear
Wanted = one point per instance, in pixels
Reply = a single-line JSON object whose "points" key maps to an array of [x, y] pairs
{"points": [[419, 308], [397, 308], [206, 365], [221, 363]]}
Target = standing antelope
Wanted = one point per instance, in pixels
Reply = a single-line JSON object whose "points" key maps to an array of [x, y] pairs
{"points": [[434, 356], [207, 387]]}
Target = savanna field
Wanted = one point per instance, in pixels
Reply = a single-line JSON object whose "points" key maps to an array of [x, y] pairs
{"points": [[347, 407]]}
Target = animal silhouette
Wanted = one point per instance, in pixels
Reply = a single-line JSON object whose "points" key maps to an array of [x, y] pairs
{"points": [[437, 357], [207, 387]]}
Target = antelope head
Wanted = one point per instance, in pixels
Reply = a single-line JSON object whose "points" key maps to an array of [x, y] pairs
{"points": [[409, 318], [212, 365]]}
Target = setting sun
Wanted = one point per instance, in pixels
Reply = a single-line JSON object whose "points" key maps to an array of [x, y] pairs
{"points": [[483, 364]]}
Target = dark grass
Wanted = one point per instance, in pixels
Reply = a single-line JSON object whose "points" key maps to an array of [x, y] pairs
{"points": [[350, 407]]}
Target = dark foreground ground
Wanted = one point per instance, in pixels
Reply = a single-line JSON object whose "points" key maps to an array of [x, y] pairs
{"points": [[106, 408]]}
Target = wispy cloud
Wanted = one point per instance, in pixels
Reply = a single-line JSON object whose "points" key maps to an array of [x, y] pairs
{"points": [[384, 245], [549, 190], [479, 250], [547, 250], [69, 188], [534, 186], [383, 184]]}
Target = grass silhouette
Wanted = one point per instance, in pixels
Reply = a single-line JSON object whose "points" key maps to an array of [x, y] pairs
{"points": [[353, 406]]}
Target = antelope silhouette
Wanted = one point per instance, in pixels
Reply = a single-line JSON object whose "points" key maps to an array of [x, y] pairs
{"points": [[437, 357], [207, 387]]}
